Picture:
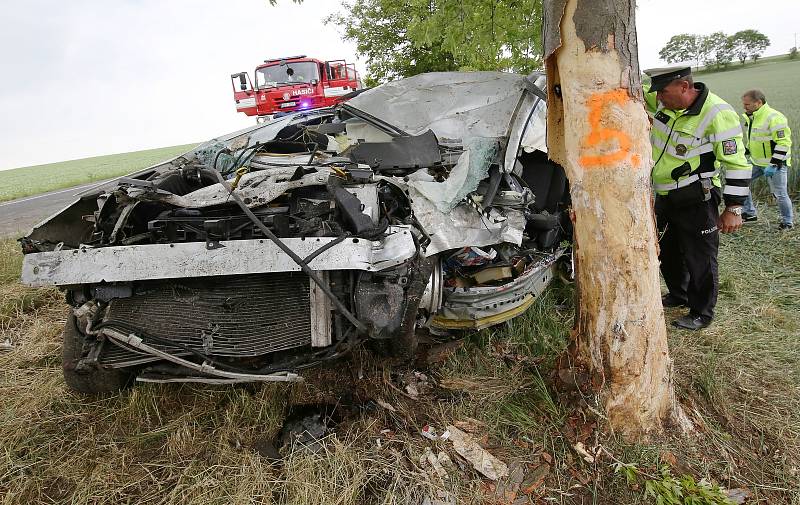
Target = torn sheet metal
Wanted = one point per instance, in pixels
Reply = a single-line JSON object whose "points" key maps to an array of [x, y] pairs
{"points": [[464, 225], [472, 167], [535, 136], [478, 307], [194, 259], [255, 189]]}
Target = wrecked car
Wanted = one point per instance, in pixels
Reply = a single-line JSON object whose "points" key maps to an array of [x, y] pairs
{"points": [[425, 204]]}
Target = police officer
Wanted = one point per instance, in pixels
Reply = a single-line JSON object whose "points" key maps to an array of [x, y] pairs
{"points": [[769, 144], [696, 138]]}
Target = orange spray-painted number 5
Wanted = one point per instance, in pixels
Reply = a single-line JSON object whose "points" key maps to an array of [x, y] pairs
{"points": [[599, 134]]}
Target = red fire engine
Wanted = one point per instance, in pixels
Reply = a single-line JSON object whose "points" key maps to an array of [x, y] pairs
{"points": [[293, 83]]}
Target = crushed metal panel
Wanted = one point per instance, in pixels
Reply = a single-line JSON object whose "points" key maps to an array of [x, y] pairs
{"points": [[455, 105], [367, 194], [483, 306], [321, 329], [194, 259], [528, 126], [255, 189], [464, 226], [535, 136]]}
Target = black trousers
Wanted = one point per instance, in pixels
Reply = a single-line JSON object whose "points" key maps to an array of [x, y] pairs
{"points": [[688, 255]]}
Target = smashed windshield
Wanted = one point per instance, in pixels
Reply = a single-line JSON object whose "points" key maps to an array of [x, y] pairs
{"points": [[290, 73]]}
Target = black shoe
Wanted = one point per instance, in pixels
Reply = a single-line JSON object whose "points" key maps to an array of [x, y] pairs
{"points": [[785, 226], [670, 300], [749, 218], [691, 322]]}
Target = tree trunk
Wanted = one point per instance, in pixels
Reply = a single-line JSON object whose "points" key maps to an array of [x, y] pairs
{"points": [[598, 130]]}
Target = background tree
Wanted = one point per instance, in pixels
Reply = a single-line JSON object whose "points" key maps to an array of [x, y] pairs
{"points": [[408, 37], [749, 43], [682, 47], [380, 29], [717, 50], [598, 130], [485, 34]]}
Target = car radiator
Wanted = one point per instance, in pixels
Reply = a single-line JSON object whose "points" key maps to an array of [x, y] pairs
{"points": [[240, 316]]}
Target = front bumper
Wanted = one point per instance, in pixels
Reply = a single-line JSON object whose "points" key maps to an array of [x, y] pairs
{"points": [[198, 259]]}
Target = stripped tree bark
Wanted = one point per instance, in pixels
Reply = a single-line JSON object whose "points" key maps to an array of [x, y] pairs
{"points": [[598, 130]]}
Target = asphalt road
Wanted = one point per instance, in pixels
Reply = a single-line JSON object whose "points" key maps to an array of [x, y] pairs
{"points": [[17, 217]]}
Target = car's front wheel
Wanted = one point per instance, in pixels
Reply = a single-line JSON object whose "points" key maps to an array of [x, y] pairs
{"points": [[93, 379]]}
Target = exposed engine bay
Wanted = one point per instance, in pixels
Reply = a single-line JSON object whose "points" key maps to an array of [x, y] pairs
{"points": [[423, 204]]}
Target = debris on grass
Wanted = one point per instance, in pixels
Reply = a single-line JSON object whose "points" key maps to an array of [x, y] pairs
{"points": [[481, 460], [306, 426], [416, 384], [6, 345], [507, 489], [441, 352], [383, 403], [738, 495], [582, 452], [441, 497], [431, 433], [470, 425], [534, 479], [440, 463]]}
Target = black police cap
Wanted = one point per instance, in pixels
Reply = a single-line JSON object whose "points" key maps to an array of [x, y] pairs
{"points": [[660, 77]]}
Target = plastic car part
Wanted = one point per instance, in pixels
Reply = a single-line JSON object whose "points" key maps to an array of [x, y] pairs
{"points": [[401, 153]]}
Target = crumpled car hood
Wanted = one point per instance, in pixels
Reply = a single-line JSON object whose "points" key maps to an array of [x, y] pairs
{"points": [[457, 106]]}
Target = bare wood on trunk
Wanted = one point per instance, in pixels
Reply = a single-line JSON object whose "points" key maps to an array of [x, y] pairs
{"points": [[598, 130]]}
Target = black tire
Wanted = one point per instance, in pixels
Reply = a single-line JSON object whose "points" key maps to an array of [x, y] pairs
{"points": [[89, 380]]}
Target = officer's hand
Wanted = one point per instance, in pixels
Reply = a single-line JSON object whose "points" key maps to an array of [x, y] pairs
{"points": [[729, 222], [770, 170]]}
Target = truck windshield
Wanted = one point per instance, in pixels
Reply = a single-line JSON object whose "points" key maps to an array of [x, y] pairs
{"points": [[290, 73]]}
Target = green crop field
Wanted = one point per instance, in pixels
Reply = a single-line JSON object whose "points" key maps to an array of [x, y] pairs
{"points": [[778, 79], [26, 181]]}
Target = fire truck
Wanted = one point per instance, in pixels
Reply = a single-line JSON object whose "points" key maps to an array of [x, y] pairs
{"points": [[293, 83]]}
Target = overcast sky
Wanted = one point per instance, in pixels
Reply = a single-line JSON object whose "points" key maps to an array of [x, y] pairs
{"points": [[89, 77]]}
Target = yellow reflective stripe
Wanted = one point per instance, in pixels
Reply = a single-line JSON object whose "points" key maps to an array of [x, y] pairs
{"points": [[761, 161], [781, 126], [778, 156]]}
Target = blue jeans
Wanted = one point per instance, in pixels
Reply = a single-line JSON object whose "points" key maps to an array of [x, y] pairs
{"points": [[778, 186]]}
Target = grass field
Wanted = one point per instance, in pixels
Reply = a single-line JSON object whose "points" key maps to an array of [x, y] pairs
{"points": [[26, 181], [158, 444], [778, 78]]}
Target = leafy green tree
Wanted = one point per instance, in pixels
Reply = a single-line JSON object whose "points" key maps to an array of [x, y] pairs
{"points": [[484, 34], [749, 43], [400, 38], [380, 31], [682, 47], [717, 50]]}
